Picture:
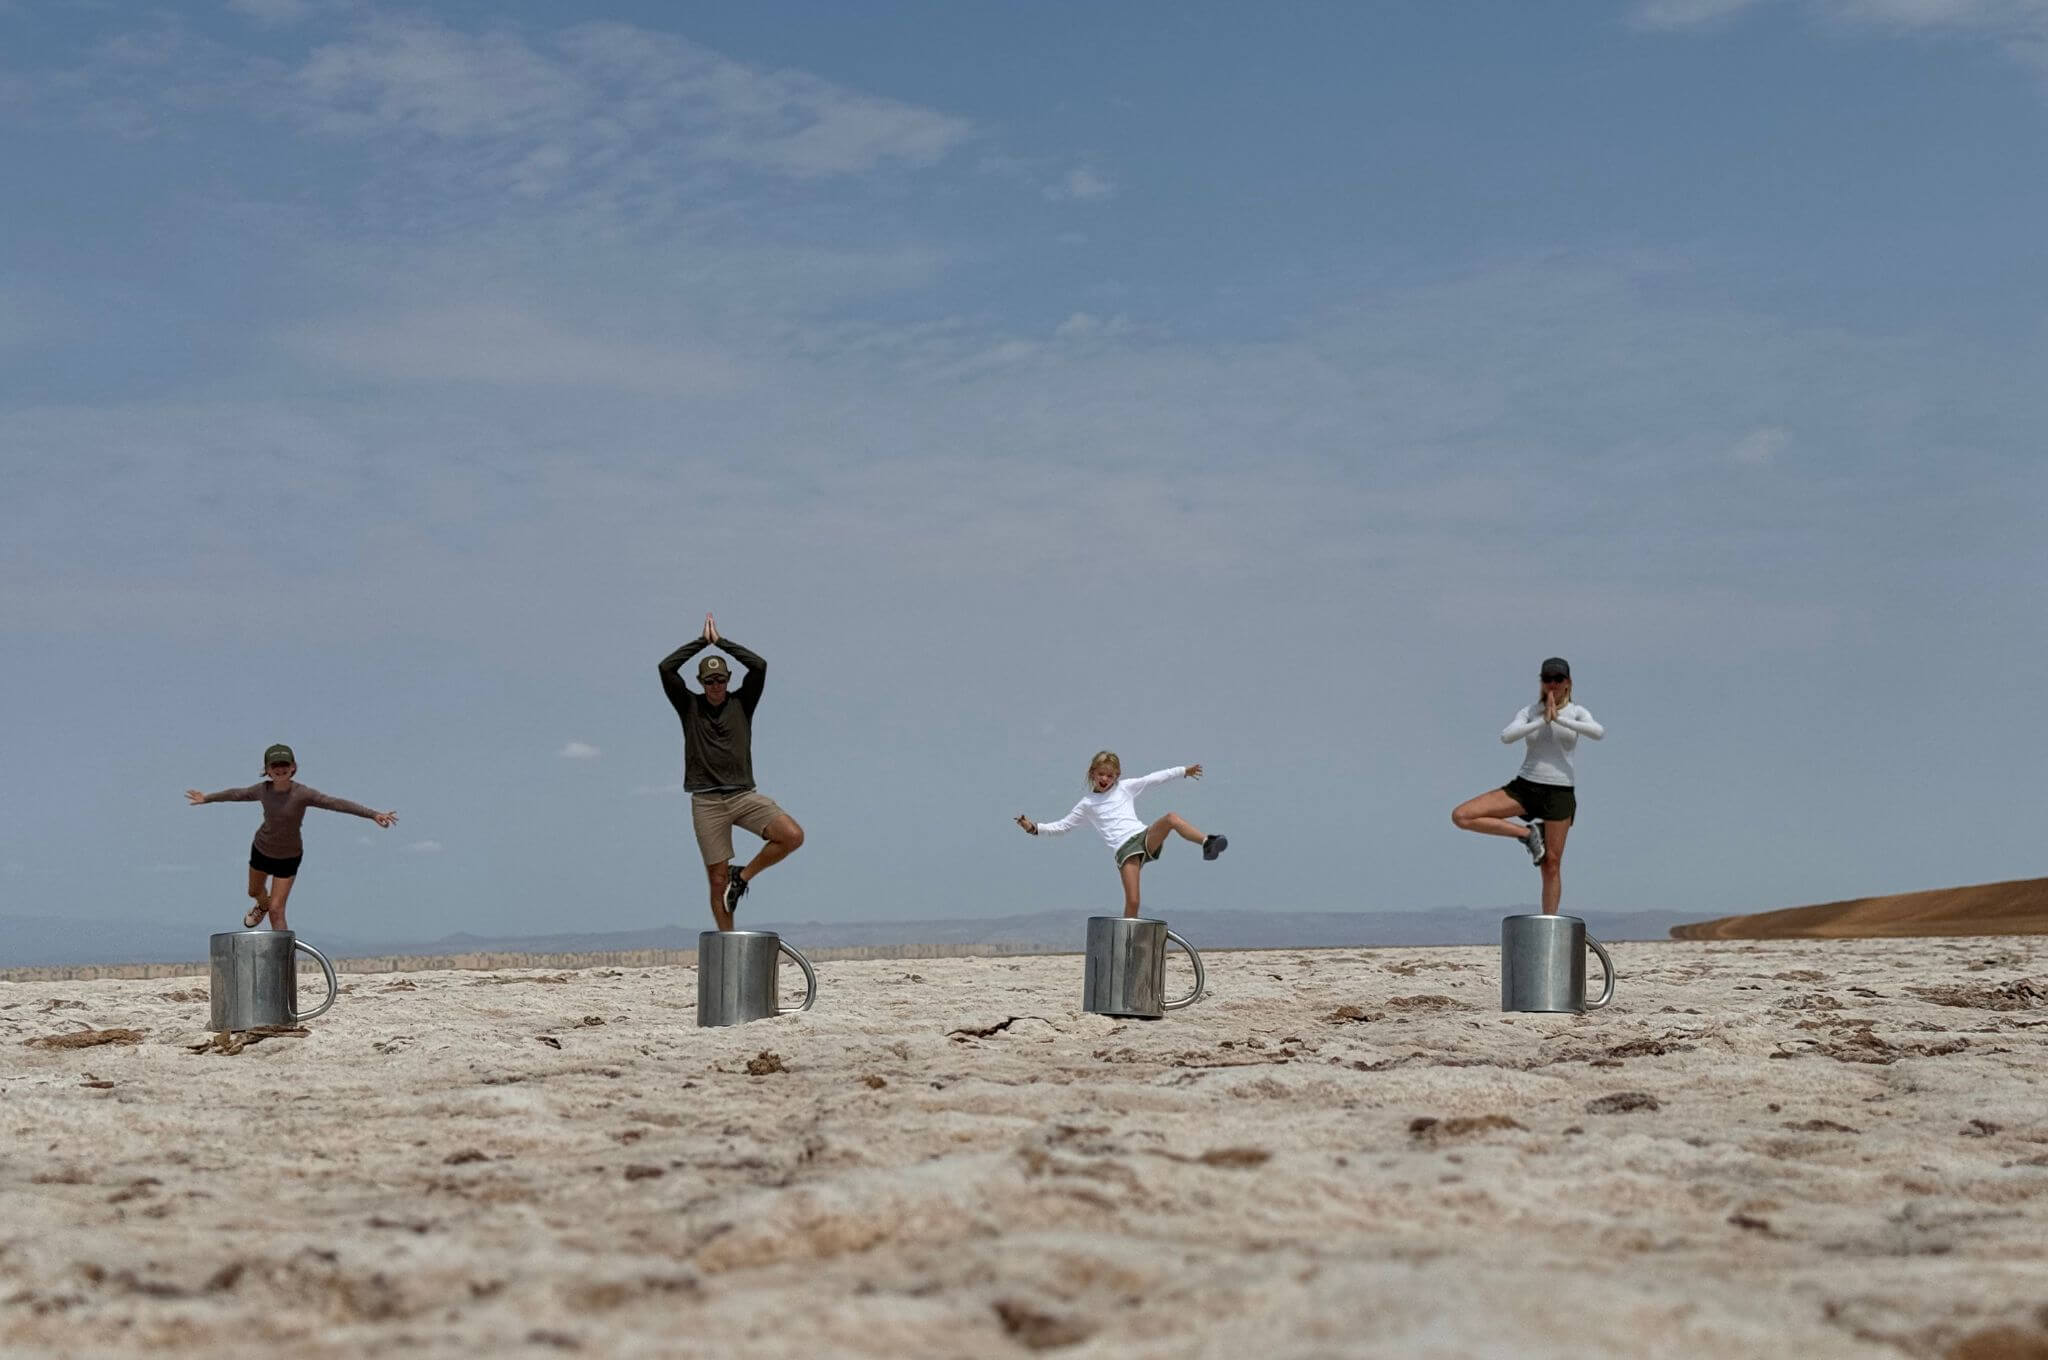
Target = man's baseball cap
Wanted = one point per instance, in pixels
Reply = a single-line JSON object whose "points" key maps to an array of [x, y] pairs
{"points": [[713, 668], [279, 752], [1556, 668]]}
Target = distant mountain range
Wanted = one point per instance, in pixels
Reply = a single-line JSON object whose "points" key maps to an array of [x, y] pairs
{"points": [[45, 941]]}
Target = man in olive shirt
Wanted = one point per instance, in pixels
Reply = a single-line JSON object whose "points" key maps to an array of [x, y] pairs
{"points": [[718, 767]]}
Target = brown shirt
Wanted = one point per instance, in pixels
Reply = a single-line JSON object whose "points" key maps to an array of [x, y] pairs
{"points": [[718, 739], [278, 837]]}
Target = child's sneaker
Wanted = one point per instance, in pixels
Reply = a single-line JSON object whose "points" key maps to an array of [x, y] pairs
{"points": [[735, 888], [1534, 842], [1214, 846]]}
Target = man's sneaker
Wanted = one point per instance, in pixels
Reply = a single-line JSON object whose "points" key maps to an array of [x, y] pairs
{"points": [[1534, 842], [735, 888], [1214, 846]]}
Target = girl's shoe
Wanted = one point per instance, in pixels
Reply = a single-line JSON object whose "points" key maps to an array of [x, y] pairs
{"points": [[1214, 846], [254, 915], [1534, 842]]}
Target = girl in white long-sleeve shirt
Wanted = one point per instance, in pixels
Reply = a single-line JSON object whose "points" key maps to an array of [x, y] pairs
{"points": [[1111, 807], [1544, 792]]}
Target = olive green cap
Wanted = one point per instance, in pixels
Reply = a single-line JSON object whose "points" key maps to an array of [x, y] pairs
{"points": [[280, 751]]}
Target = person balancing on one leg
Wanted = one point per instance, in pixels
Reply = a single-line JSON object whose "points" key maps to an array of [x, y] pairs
{"points": [[1110, 806], [1543, 793], [718, 767], [275, 855]]}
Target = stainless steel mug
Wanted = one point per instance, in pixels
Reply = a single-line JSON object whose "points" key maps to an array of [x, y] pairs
{"points": [[1126, 970], [739, 977], [256, 979], [1543, 964]]}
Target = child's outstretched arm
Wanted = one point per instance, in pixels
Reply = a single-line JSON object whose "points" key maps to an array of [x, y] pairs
{"points": [[248, 795], [1146, 781], [1058, 828], [333, 804]]}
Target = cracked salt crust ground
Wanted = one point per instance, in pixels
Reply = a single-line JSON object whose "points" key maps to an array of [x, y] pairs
{"points": [[1823, 1148]]}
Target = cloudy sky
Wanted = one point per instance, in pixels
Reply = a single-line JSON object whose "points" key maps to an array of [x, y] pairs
{"points": [[1272, 387]]}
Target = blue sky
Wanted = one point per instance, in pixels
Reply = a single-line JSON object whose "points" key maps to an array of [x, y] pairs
{"points": [[1267, 387]]}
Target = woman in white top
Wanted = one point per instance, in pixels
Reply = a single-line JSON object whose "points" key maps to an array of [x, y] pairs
{"points": [[1542, 794], [1111, 807]]}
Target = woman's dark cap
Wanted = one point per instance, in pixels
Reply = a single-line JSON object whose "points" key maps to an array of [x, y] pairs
{"points": [[279, 753], [1557, 668]]}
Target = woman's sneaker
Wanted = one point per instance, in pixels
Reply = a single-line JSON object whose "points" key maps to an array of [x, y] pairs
{"points": [[1534, 842], [1213, 846]]}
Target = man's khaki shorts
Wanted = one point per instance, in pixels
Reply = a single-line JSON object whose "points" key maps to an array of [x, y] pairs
{"points": [[714, 815]]}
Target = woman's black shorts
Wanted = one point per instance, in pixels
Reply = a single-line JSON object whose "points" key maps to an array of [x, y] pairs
{"points": [[276, 868], [1543, 802]]}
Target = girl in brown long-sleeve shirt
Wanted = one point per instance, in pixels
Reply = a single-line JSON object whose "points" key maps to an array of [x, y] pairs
{"points": [[277, 849]]}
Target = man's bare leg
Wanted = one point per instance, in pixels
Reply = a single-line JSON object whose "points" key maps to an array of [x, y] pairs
{"points": [[715, 873]]}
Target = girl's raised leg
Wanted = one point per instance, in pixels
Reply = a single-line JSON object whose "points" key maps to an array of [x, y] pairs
{"points": [[1155, 834], [280, 890], [1129, 871]]}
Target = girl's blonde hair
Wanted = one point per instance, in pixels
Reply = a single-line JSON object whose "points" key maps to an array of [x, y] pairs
{"points": [[1102, 758]]}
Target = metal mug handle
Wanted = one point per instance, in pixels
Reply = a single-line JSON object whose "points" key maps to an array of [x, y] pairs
{"points": [[1200, 976], [810, 980], [333, 989], [1606, 972]]}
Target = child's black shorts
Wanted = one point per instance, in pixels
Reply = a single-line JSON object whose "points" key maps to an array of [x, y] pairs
{"points": [[276, 868]]}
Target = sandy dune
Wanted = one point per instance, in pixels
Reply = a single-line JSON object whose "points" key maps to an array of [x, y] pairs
{"points": [[2016, 907], [1813, 1149]]}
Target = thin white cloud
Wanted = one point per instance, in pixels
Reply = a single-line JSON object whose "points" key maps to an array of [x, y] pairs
{"points": [[2005, 16], [424, 848], [502, 344], [1088, 326], [2019, 26], [589, 98], [1686, 13], [1761, 445], [579, 750], [1081, 183], [273, 13]]}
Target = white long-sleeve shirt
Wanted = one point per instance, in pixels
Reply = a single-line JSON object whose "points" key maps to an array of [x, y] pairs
{"points": [[1550, 743], [1114, 812]]}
